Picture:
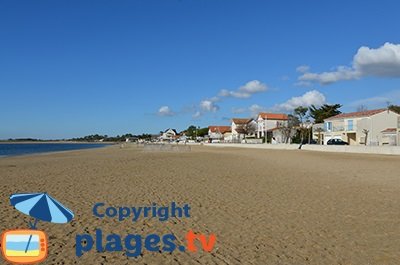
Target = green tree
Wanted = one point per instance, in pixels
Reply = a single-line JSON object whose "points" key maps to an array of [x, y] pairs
{"points": [[288, 129], [395, 108], [324, 112], [202, 132], [302, 114], [191, 131]]}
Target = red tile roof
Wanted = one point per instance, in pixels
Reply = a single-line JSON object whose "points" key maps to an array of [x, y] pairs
{"points": [[240, 121], [357, 114], [219, 129], [273, 116], [389, 130]]}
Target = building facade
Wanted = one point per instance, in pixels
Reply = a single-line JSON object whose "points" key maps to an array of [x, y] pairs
{"points": [[242, 128], [372, 127], [269, 124], [218, 133], [169, 135]]}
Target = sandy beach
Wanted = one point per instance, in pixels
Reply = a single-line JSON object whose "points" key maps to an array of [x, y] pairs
{"points": [[264, 206]]}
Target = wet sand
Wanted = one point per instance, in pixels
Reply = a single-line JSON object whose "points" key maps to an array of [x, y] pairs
{"points": [[265, 206]]}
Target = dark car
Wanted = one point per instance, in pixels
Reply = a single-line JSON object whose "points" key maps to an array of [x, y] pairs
{"points": [[336, 142]]}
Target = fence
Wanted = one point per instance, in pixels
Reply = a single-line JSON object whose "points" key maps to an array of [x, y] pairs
{"points": [[166, 148]]}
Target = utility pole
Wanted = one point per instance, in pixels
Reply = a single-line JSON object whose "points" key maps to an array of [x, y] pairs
{"points": [[265, 131]]}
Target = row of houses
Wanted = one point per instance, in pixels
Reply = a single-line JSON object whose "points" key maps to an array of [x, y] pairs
{"points": [[268, 126], [371, 127]]}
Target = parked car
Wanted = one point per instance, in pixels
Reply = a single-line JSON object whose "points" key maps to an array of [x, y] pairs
{"points": [[336, 142]]}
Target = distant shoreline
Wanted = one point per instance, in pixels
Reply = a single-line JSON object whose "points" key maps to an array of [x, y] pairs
{"points": [[54, 142], [11, 149]]}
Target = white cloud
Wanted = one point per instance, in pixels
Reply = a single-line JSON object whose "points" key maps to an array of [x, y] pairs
{"points": [[165, 111], [304, 84], [309, 98], [325, 78], [303, 68], [312, 97], [209, 105], [252, 87], [255, 109], [246, 91], [197, 115], [381, 62], [379, 101]]}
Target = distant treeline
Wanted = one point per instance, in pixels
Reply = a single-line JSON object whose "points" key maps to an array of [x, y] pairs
{"points": [[106, 138], [88, 138], [24, 140]]}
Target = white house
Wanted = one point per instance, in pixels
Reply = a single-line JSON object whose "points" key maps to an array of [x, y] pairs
{"points": [[382, 125], [168, 135], [242, 128], [269, 121], [268, 125], [219, 132]]}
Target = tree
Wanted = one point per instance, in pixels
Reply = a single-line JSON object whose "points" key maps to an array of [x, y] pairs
{"points": [[324, 112], [191, 131], [301, 113], [248, 128], [319, 130], [394, 108], [202, 132], [288, 129], [145, 136]]}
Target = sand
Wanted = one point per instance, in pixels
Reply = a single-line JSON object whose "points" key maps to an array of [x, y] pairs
{"points": [[264, 206]]}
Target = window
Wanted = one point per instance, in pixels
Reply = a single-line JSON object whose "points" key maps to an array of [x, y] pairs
{"points": [[328, 126], [350, 125]]}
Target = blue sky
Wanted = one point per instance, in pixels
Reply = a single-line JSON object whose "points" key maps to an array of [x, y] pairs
{"points": [[72, 68]]}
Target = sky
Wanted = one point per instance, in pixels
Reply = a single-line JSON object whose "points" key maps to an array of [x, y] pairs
{"points": [[73, 68]]}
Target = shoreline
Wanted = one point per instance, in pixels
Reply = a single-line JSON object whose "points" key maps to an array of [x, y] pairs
{"points": [[55, 151], [54, 142]]}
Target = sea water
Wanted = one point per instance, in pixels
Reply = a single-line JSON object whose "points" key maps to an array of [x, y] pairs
{"points": [[14, 149]]}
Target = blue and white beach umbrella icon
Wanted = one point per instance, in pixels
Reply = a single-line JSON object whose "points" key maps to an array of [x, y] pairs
{"points": [[41, 206]]}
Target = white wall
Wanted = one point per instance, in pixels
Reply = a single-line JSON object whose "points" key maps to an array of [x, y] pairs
{"points": [[376, 124], [382, 150], [264, 125]]}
